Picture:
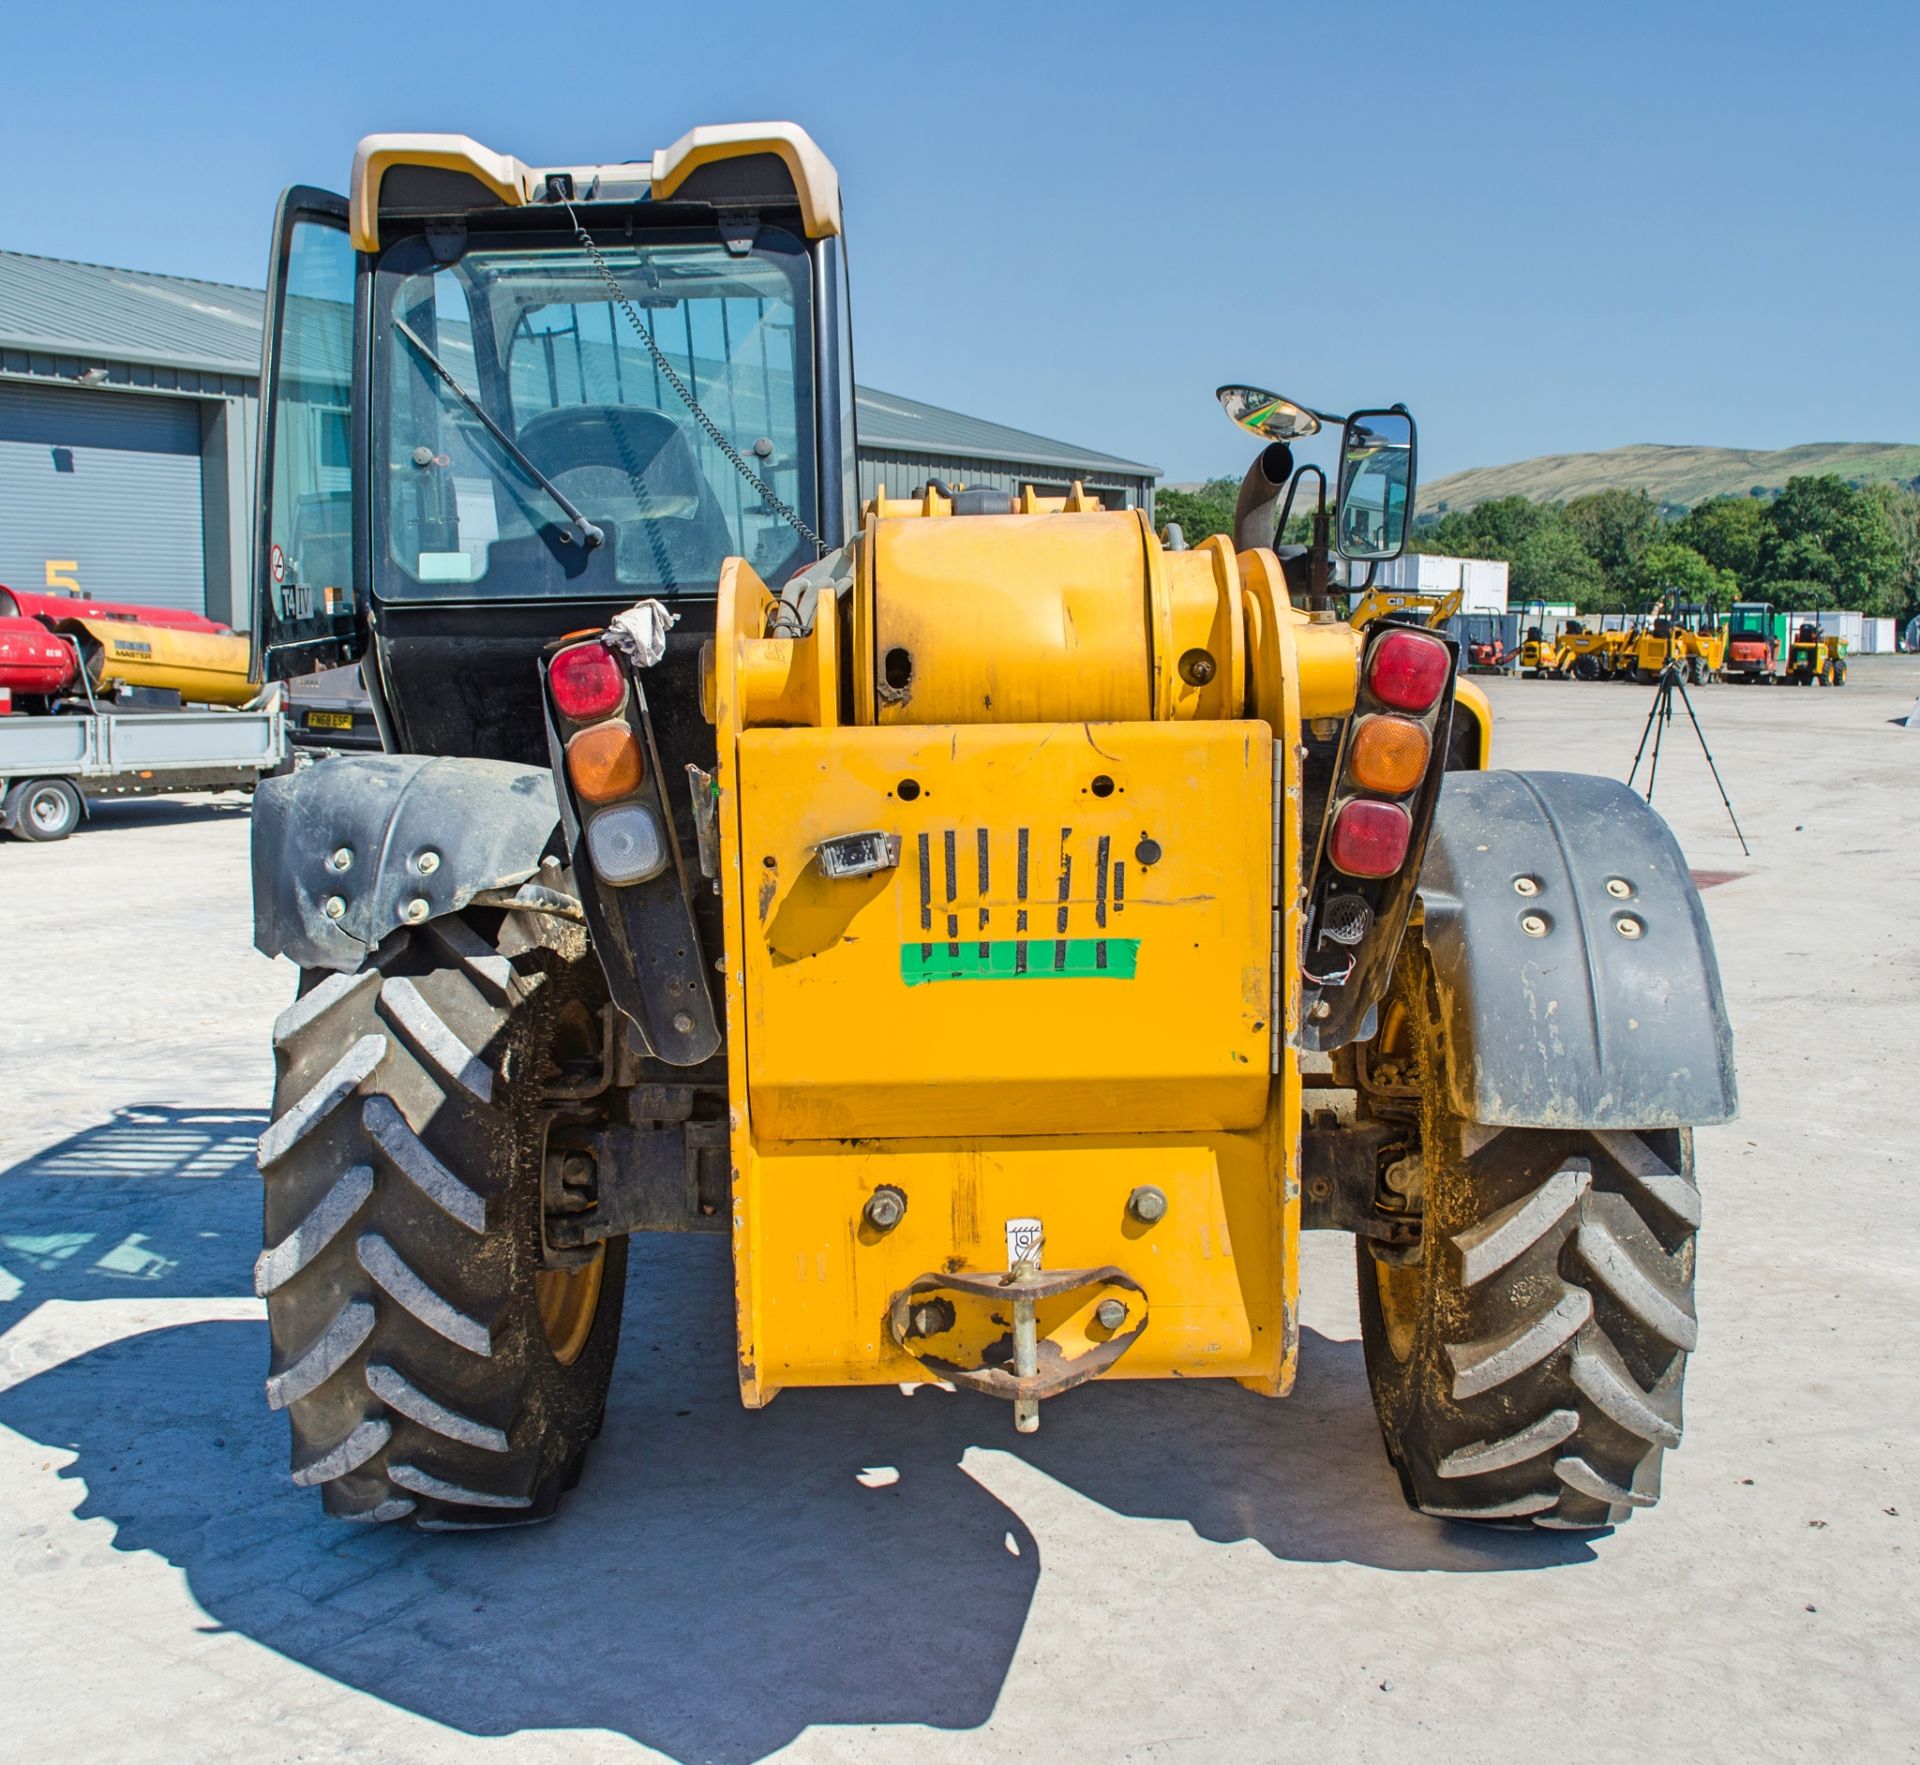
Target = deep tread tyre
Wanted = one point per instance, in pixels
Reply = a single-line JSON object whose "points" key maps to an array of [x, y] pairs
{"points": [[403, 1233], [1527, 1370]]}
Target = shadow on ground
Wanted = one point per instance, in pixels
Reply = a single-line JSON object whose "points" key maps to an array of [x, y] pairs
{"points": [[111, 812], [722, 1580], [155, 1201]]}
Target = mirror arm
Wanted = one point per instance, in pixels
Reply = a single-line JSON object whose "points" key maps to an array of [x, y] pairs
{"points": [[1320, 552], [1260, 489]]}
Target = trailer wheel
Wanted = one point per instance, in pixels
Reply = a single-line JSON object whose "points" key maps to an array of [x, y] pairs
{"points": [[42, 809], [432, 1368], [1527, 1367]]}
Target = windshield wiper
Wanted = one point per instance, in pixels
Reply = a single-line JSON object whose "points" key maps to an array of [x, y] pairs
{"points": [[590, 535]]}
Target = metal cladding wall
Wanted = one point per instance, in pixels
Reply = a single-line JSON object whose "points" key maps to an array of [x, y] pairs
{"points": [[102, 491], [902, 473]]}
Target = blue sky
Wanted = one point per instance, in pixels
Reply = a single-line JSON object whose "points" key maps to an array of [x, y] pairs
{"points": [[1546, 227]]}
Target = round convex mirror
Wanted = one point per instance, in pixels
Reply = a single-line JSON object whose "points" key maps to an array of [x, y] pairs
{"points": [[1267, 414]]}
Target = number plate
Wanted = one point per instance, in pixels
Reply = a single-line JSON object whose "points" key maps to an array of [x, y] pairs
{"points": [[329, 719]]}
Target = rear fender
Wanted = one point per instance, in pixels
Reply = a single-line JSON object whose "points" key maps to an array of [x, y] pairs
{"points": [[1470, 740], [388, 840], [1575, 1023]]}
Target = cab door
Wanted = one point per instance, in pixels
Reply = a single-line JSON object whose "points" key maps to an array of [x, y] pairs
{"points": [[308, 611]]}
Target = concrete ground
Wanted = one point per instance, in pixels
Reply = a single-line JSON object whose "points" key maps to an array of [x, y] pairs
{"points": [[1164, 1572]]}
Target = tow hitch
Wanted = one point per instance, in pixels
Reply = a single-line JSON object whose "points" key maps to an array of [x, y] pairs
{"points": [[1024, 1334]]}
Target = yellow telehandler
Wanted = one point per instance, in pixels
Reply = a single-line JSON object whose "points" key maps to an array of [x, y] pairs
{"points": [[1011, 934]]}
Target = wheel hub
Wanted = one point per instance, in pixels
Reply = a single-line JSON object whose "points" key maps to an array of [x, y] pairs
{"points": [[569, 1300]]}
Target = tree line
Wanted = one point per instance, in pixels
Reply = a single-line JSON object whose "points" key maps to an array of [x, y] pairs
{"points": [[1818, 542]]}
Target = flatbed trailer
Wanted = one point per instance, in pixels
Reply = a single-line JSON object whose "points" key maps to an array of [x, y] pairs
{"points": [[52, 766]]}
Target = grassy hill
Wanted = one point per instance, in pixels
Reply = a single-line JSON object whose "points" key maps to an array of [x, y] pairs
{"points": [[1670, 474]]}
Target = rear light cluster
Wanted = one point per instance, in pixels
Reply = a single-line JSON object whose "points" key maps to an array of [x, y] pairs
{"points": [[606, 765], [1383, 791], [1388, 753]]}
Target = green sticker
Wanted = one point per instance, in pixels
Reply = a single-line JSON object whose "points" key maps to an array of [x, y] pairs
{"points": [[1021, 959]]}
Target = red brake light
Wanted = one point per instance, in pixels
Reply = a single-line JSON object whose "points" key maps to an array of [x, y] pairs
{"points": [[1369, 839], [586, 682], [1408, 671]]}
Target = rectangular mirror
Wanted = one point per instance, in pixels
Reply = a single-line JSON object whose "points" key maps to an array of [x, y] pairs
{"points": [[1376, 485]]}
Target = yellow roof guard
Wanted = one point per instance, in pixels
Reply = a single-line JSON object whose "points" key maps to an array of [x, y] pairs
{"points": [[726, 164]]}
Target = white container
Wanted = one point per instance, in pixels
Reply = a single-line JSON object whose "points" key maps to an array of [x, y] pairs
{"points": [[1835, 622], [1482, 581]]}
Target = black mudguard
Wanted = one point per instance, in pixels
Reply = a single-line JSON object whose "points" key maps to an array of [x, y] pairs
{"points": [[1576, 1025], [486, 823]]}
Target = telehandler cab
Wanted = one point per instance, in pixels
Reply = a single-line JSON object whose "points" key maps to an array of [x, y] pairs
{"points": [[1011, 933]]}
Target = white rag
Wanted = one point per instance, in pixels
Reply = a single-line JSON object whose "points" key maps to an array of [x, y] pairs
{"points": [[640, 633]]}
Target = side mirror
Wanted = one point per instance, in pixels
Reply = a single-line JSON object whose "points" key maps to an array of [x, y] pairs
{"points": [[1376, 485], [1267, 414]]}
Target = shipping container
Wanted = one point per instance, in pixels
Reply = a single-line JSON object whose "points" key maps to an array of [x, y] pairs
{"points": [[1482, 581]]}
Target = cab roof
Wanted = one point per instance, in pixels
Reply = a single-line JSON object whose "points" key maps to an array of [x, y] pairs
{"points": [[730, 165]]}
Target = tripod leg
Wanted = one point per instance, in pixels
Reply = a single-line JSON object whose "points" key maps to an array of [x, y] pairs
{"points": [[1715, 770], [1646, 730], [1663, 708]]}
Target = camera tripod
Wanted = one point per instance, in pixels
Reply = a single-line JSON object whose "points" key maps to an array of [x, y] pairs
{"points": [[1659, 715]]}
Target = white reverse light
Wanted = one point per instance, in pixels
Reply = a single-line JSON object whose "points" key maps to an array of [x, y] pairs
{"points": [[626, 845]]}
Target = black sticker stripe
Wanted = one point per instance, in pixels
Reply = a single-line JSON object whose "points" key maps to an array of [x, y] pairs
{"points": [[1120, 886], [1060, 917], [980, 846], [926, 893], [1100, 882], [951, 843], [1020, 885]]}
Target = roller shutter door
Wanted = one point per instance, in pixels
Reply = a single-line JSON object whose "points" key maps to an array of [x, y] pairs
{"points": [[102, 487]]}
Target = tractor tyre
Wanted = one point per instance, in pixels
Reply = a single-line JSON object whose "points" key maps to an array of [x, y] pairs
{"points": [[433, 1369], [1586, 668], [1528, 1369], [1527, 1366], [1839, 676]]}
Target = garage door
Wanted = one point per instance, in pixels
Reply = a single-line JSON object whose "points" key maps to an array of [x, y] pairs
{"points": [[101, 489]]}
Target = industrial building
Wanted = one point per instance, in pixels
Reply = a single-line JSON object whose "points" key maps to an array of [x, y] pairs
{"points": [[903, 443], [127, 414]]}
